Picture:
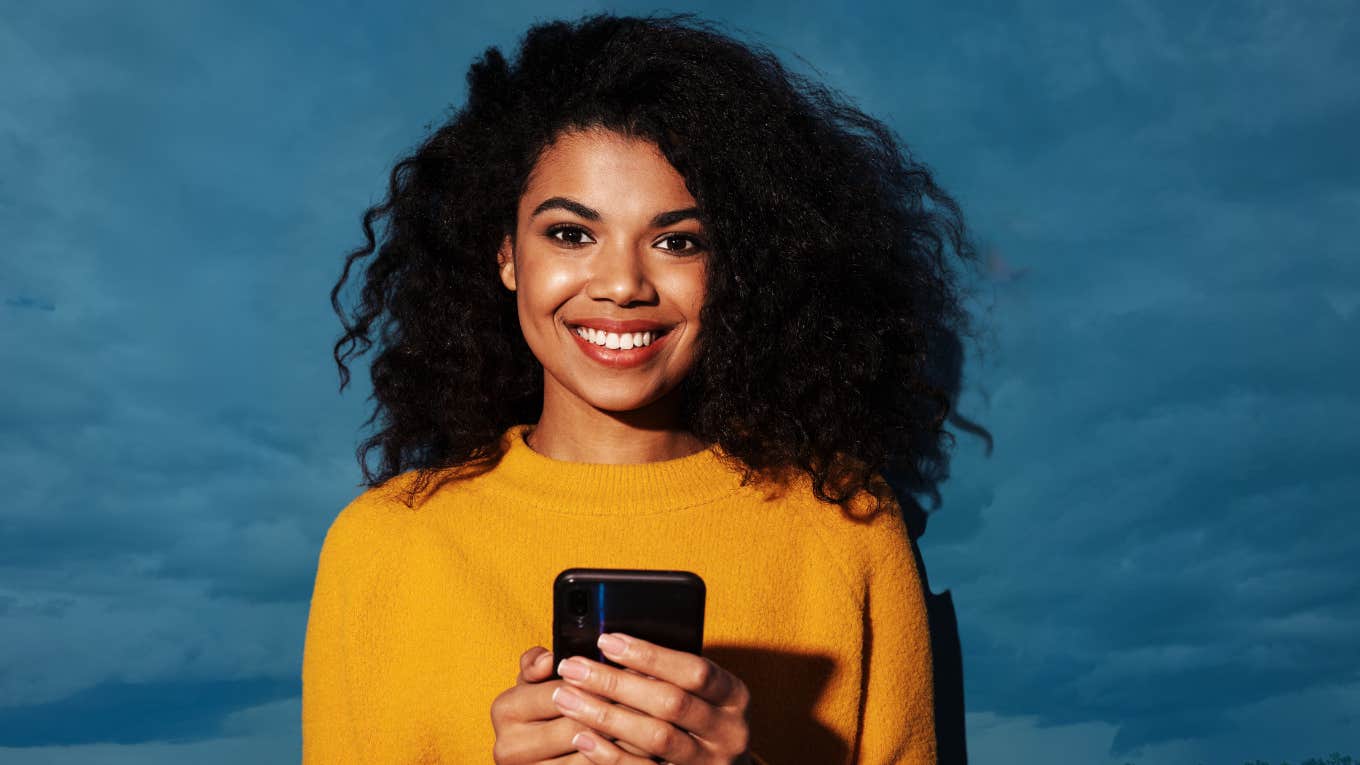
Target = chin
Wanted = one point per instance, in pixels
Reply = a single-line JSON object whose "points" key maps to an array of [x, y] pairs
{"points": [[626, 400], [621, 404]]}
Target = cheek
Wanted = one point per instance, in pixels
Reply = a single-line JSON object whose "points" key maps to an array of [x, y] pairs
{"points": [[546, 285], [683, 285], [695, 290]]}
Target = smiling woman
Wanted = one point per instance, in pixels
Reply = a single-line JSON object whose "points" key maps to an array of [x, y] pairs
{"points": [[647, 301]]}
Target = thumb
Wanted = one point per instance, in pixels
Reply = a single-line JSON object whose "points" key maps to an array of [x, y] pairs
{"points": [[535, 665], [541, 669]]}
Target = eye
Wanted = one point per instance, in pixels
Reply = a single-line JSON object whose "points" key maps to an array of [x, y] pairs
{"points": [[570, 231], [698, 246]]}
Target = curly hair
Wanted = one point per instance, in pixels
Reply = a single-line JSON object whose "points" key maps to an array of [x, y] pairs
{"points": [[829, 289]]}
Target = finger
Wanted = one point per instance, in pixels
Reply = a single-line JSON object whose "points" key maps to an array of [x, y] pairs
{"points": [[629, 748], [649, 734], [530, 702], [653, 697], [540, 741], [696, 674], [535, 665], [537, 704], [575, 758], [541, 669], [599, 749]]}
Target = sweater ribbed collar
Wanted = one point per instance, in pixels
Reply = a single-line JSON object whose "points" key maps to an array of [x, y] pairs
{"points": [[587, 488]]}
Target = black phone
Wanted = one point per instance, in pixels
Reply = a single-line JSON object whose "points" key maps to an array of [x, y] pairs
{"points": [[662, 607]]}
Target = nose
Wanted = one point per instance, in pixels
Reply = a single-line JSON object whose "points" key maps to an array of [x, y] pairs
{"points": [[619, 274]]}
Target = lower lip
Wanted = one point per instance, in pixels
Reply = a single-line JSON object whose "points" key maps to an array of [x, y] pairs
{"points": [[620, 358]]}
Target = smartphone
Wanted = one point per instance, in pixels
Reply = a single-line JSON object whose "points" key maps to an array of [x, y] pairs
{"points": [[662, 607]]}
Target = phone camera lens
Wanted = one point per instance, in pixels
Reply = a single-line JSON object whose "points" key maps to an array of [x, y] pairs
{"points": [[576, 603]]}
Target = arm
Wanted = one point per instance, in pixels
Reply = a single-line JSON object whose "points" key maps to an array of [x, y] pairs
{"points": [[898, 727]]}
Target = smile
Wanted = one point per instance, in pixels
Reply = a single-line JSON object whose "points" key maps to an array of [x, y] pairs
{"points": [[619, 349], [619, 340]]}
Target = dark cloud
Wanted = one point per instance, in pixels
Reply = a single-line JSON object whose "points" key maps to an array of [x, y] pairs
{"points": [[128, 713], [32, 303]]}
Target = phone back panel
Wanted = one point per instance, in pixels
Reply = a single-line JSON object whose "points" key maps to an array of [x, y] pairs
{"points": [[662, 607]]}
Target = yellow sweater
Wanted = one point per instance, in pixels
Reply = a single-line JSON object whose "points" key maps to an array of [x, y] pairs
{"points": [[419, 615]]}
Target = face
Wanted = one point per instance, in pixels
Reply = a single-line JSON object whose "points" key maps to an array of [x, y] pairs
{"points": [[607, 237]]}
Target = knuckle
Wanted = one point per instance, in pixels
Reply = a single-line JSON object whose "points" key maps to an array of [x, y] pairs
{"points": [[741, 739], [741, 695], [674, 704], [603, 715], [608, 682], [498, 708], [644, 654], [661, 738], [702, 674]]}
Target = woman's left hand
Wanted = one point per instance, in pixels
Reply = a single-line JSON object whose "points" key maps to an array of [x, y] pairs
{"points": [[681, 708]]}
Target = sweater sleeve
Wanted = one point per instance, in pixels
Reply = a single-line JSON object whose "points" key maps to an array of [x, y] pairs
{"points": [[898, 724], [328, 724]]}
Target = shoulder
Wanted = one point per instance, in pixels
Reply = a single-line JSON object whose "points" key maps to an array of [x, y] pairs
{"points": [[874, 513], [371, 522], [392, 520], [864, 534]]}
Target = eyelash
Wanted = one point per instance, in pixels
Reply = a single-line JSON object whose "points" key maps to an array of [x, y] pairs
{"points": [[698, 244]]}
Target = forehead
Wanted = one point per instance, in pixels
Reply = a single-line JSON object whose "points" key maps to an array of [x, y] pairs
{"points": [[607, 170]]}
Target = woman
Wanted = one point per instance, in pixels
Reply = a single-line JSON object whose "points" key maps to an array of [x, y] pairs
{"points": [[648, 300]]}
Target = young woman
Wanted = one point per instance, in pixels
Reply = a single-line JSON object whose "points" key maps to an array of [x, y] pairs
{"points": [[648, 300]]}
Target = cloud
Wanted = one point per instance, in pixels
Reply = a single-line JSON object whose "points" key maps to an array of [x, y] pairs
{"points": [[125, 713], [261, 733]]}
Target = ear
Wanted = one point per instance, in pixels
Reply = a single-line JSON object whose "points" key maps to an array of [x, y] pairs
{"points": [[505, 259]]}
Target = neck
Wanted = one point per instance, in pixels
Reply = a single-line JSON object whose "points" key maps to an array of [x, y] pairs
{"points": [[574, 430], [527, 478]]}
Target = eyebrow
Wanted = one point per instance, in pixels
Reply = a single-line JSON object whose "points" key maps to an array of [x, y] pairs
{"points": [[571, 205]]}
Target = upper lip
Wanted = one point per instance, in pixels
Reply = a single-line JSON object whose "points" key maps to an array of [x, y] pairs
{"points": [[617, 327]]}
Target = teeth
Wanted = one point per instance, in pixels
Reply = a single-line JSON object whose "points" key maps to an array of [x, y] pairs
{"points": [[617, 341]]}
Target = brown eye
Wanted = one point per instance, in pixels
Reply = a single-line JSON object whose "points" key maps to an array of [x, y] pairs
{"points": [[573, 232], [697, 245]]}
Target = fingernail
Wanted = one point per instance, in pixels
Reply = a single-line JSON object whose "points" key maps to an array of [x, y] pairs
{"points": [[543, 656], [566, 699], [583, 742], [573, 670], [611, 645]]}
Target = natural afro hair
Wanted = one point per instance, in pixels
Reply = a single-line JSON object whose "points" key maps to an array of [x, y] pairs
{"points": [[830, 287]]}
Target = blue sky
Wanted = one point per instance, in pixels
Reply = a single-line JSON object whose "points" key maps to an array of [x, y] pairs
{"points": [[1155, 565]]}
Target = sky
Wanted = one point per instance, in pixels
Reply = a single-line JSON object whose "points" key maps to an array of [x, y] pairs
{"points": [[1156, 564]]}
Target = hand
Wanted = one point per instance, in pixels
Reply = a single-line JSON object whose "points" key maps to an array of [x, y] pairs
{"points": [[676, 706], [529, 728]]}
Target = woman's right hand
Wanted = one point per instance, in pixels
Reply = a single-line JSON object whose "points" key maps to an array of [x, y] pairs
{"points": [[529, 727]]}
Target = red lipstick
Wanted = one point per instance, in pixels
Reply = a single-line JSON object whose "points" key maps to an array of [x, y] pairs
{"points": [[620, 358]]}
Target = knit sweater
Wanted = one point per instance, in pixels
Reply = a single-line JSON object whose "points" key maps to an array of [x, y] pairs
{"points": [[419, 614]]}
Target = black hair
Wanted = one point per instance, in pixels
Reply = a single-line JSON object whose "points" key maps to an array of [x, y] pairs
{"points": [[830, 289]]}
